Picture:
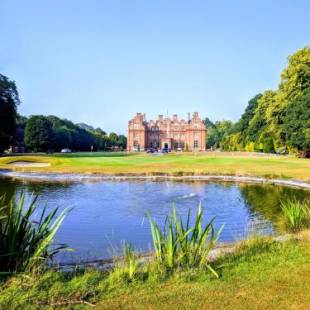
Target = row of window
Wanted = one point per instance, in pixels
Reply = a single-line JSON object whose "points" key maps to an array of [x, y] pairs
{"points": [[176, 145]]}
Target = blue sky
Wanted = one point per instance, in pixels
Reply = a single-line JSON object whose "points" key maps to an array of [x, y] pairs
{"points": [[100, 61]]}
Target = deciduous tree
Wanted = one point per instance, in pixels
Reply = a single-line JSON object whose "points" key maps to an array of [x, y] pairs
{"points": [[9, 101]]}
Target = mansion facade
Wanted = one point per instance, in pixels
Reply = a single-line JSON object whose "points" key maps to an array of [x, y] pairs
{"points": [[169, 133]]}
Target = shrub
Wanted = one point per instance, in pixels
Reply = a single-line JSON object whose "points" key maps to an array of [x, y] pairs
{"points": [[25, 243], [296, 215], [180, 246]]}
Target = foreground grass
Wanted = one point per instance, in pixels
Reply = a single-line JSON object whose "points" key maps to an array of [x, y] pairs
{"points": [[174, 164], [262, 274]]}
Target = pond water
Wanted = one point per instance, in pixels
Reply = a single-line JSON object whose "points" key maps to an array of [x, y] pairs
{"points": [[107, 213]]}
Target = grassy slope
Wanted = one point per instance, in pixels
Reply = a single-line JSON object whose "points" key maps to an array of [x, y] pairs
{"points": [[207, 163], [262, 275]]}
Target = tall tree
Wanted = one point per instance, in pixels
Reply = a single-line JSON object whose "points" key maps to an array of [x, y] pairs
{"points": [[122, 142], [39, 134], [208, 123], [9, 101], [243, 124], [295, 78], [297, 124]]}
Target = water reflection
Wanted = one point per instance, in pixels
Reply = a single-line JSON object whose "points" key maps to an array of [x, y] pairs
{"points": [[109, 212]]}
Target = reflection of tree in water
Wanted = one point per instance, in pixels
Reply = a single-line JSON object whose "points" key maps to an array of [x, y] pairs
{"points": [[7, 189], [13, 188], [265, 199], [38, 188]]}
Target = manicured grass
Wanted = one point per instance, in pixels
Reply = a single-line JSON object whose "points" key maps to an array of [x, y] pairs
{"points": [[175, 164], [262, 274]]}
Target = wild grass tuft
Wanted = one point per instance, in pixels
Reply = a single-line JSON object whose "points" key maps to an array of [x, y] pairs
{"points": [[24, 242], [296, 215], [128, 268], [180, 246]]}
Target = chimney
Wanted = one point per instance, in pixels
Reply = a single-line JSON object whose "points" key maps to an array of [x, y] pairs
{"points": [[188, 117]]}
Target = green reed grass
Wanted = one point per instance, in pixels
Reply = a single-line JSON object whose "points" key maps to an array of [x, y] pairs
{"points": [[25, 243], [296, 214], [181, 246]]}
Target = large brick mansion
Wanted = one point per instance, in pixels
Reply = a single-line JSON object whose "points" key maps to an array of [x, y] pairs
{"points": [[168, 133]]}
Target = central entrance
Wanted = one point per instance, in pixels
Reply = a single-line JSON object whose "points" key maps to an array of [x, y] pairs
{"points": [[166, 144]]}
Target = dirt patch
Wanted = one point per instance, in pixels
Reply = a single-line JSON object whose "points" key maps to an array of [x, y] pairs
{"points": [[21, 163]]}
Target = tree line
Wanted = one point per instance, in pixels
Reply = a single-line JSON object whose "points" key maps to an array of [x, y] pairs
{"points": [[276, 121], [41, 133], [44, 133]]}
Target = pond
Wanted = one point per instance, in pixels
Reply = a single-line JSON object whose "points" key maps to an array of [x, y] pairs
{"points": [[107, 213]]}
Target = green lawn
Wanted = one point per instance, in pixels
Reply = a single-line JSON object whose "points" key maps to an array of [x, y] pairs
{"points": [[175, 164], [260, 275]]}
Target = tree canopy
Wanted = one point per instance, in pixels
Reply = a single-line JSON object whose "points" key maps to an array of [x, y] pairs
{"points": [[297, 124], [39, 134], [9, 101], [44, 133], [276, 121]]}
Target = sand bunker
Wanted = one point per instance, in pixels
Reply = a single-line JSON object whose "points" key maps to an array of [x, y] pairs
{"points": [[28, 164]]}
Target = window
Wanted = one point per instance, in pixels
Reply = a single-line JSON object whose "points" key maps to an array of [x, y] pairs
{"points": [[195, 144]]}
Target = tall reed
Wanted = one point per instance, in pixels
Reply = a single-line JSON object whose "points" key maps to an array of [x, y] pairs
{"points": [[181, 246], [25, 243], [296, 214]]}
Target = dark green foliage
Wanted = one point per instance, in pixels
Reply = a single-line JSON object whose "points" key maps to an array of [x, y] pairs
{"points": [[297, 123], [268, 145], [62, 138], [243, 124], [21, 122], [62, 133], [121, 141], [8, 111], [208, 123], [39, 135]]}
